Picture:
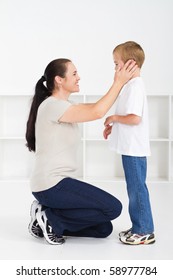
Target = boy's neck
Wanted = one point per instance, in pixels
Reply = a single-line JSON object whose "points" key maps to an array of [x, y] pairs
{"points": [[137, 73]]}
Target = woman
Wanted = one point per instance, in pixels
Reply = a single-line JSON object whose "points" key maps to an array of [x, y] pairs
{"points": [[66, 206]]}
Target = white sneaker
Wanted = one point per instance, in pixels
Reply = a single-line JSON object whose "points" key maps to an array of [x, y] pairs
{"points": [[137, 239], [34, 228], [48, 232], [125, 232]]}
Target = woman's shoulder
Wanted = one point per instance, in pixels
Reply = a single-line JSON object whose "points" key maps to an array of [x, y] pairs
{"points": [[52, 106], [52, 102]]}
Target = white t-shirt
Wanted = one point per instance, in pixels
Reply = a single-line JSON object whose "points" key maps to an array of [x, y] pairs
{"points": [[132, 140], [56, 145]]}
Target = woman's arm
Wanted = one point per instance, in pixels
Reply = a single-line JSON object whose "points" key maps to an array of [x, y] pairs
{"points": [[93, 111]]}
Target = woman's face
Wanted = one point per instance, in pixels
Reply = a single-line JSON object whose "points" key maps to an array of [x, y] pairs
{"points": [[70, 82], [118, 61]]}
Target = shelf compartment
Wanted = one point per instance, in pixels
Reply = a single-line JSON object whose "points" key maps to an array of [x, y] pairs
{"points": [[105, 165], [102, 163], [171, 122], [80, 158], [158, 116], [14, 112], [94, 129], [158, 162], [16, 160]]}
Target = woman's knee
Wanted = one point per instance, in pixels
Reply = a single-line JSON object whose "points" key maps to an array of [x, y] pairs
{"points": [[106, 230], [116, 209]]}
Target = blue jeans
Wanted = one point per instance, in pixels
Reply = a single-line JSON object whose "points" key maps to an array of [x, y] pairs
{"points": [[135, 169], [75, 208]]}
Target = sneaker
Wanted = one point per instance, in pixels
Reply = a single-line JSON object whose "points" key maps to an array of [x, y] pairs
{"points": [[48, 232], [136, 239], [34, 228], [125, 232]]}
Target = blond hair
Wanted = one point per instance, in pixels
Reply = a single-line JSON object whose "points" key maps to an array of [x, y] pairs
{"points": [[130, 50]]}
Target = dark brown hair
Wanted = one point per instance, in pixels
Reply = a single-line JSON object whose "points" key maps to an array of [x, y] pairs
{"points": [[57, 67]]}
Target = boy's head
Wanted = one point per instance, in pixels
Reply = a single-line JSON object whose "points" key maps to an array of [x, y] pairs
{"points": [[128, 50]]}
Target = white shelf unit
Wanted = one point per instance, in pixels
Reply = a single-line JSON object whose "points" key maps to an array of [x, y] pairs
{"points": [[171, 139], [96, 162]]}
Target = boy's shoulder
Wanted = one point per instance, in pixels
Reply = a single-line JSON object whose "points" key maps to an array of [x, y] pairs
{"points": [[135, 84], [134, 89], [135, 81]]}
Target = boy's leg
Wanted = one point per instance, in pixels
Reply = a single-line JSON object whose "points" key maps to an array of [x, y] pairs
{"points": [[135, 169]]}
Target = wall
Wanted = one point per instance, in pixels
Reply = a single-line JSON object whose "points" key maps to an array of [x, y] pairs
{"points": [[33, 32]]}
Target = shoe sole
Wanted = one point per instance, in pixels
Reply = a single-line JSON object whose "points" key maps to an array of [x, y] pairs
{"points": [[41, 224], [34, 206]]}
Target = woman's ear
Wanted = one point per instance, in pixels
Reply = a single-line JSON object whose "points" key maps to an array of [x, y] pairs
{"points": [[58, 80]]}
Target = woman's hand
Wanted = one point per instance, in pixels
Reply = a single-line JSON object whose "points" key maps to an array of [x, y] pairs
{"points": [[124, 74]]}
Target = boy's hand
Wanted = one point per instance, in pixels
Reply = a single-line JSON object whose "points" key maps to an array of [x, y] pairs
{"points": [[107, 131], [109, 120]]}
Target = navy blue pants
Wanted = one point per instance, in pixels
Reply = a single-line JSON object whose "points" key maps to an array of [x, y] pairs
{"points": [[75, 208]]}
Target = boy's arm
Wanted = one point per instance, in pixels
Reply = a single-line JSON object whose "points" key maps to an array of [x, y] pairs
{"points": [[130, 119]]}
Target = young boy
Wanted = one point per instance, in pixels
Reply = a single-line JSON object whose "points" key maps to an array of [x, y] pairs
{"points": [[130, 138]]}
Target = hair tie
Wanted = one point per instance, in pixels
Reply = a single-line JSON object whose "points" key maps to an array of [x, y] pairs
{"points": [[43, 78]]}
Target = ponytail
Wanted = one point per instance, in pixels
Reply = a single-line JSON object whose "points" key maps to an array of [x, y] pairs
{"points": [[41, 93], [57, 67]]}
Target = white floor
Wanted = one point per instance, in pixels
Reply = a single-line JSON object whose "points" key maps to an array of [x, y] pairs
{"points": [[17, 244]]}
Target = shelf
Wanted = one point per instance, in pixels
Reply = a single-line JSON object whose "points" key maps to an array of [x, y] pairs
{"points": [[97, 163], [171, 121], [122, 179], [151, 140], [159, 140], [6, 179], [83, 139], [118, 180], [171, 164], [12, 138]]}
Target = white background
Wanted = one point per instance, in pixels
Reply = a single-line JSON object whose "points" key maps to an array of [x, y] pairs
{"points": [[33, 32]]}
